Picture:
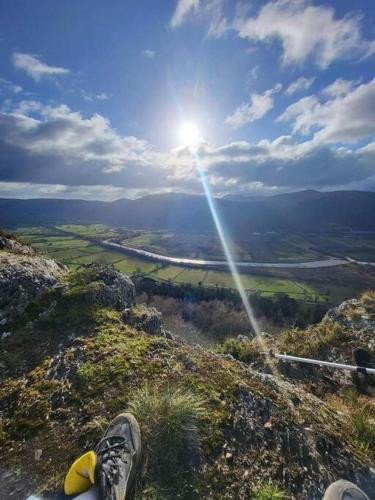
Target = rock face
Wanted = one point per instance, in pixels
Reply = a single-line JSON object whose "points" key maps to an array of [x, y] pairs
{"points": [[147, 319], [14, 246], [110, 287], [358, 316], [259, 422], [23, 278]]}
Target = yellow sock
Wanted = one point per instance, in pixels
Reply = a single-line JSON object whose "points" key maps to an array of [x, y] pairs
{"points": [[81, 474]]}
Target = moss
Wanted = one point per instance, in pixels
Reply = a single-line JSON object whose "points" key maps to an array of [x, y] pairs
{"points": [[313, 341], [34, 404], [113, 355]]}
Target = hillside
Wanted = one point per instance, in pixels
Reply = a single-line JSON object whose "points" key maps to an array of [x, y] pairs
{"points": [[77, 349], [306, 211]]}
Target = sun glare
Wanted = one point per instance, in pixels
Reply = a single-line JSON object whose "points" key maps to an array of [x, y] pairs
{"points": [[189, 134]]}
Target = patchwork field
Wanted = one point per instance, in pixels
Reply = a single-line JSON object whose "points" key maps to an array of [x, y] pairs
{"points": [[75, 245]]}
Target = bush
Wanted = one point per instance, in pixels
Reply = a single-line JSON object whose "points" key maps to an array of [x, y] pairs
{"points": [[246, 351], [170, 420]]}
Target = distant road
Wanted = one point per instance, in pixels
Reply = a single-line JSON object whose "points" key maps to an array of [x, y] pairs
{"points": [[361, 263], [329, 262]]}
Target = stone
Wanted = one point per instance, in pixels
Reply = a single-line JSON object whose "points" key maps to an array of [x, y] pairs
{"points": [[23, 278], [147, 319], [110, 287]]}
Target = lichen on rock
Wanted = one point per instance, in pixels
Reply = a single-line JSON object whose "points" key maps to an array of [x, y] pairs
{"points": [[24, 278], [144, 318], [109, 287]]}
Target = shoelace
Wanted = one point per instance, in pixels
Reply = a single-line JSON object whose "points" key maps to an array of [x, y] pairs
{"points": [[109, 452]]}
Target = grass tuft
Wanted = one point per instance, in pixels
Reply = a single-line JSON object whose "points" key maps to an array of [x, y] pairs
{"points": [[363, 425], [170, 420], [268, 491]]}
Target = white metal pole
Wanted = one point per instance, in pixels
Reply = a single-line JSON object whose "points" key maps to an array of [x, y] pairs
{"points": [[340, 366]]}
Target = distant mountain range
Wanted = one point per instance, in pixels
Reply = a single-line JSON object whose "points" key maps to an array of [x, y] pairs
{"points": [[305, 211]]}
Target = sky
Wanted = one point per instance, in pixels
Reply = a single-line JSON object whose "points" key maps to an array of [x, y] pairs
{"points": [[95, 97]]}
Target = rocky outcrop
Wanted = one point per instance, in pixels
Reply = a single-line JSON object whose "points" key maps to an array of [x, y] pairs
{"points": [[110, 287], [23, 278], [357, 316], [147, 319], [12, 245]]}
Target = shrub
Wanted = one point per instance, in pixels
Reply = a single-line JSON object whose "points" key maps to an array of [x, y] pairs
{"points": [[246, 351], [170, 420]]}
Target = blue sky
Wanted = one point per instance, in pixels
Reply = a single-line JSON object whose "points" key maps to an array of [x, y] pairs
{"points": [[93, 96]]}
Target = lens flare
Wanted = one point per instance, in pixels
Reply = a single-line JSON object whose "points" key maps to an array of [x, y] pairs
{"points": [[229, 258]]}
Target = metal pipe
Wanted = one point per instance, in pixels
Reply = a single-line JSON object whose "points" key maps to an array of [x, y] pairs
{"points": [[340, 366]]}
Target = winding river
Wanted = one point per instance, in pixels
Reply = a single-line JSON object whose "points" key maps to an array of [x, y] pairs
{"points": [[202, 263]]}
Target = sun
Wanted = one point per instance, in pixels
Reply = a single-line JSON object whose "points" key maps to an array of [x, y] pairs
{"points": [[189, 134]]}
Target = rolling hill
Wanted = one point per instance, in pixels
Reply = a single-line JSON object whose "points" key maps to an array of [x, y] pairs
{"points": [[305, 211]]}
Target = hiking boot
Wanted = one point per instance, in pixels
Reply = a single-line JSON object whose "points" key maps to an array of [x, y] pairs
{"points": [[118, 456], [344, 490]]}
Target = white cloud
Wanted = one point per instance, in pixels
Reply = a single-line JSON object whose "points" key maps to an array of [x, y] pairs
{"points": [[347, 117], [218, 24], [301, 83], [284, 164], [184, 8], [306, 30], [62, 142], [34, 67], [254, 73], [339, 87], [209, 10], [149, 53], [9, 87], [100, 96], [258, 106], [102, 192]]}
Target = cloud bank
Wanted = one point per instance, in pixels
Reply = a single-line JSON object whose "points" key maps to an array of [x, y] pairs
{"points": [[61, 152]]}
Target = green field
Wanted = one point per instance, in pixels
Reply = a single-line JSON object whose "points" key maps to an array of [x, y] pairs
{"points": [[75, 245]]}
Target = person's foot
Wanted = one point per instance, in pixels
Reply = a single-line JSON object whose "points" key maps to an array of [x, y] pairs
{"points": [[344, 490], [118, 456]]}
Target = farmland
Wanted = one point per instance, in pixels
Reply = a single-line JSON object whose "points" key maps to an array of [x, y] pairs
{"points": [[75, 245]]}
